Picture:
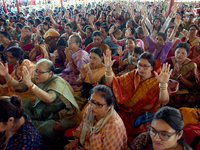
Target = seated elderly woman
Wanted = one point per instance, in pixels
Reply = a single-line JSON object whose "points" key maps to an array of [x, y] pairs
{"points": [[185, 72], [54, 99], [165, 132], [7, 42], [97, 42], [90, 75], [76, 58], [139, 91], [39, 48], [16, 61], [101, 128], [17, 129]]}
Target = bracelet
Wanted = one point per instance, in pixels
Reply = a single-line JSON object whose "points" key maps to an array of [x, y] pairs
{"points": [[180, 75], [10, 80], [163, 87], [20, 79], [71, 62], [31, 86], [108, 76]]}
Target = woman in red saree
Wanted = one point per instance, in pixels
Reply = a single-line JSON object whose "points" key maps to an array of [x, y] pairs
{"points": [[139, 91]]}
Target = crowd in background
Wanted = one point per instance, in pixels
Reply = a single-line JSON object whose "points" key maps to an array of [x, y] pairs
{"points": [[113, 75]]}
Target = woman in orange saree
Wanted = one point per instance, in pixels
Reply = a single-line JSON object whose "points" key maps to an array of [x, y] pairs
{"points": [[15, 64], [139, 91]]}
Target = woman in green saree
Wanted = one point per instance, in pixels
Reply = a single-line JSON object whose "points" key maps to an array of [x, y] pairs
{"points": [[55, 108]]}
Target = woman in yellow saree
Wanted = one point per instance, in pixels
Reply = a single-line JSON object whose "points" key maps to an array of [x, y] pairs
{"points": [[139, 91], [90, 75], [16, 62]]}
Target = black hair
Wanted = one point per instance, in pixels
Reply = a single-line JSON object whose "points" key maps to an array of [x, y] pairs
{"points": [[184, 45], [150, 57], [138, 50], [38, 21], [6, 34], [90, 28], [17, 52], [106, 94], [97, 23], [31, 21], [77, 40], [132, 31], [132, 38], [191, 15], [112, 24], [181, 25], [83, 18], [64, 20], [160, 19], [10, 107], [61, 41], [96, 33], [105, 27], [97, 50], [163, 35], [169, 27], [69, 24], [5, 24], [193, 25], [48, 19], [172, 20], [174, 118], [29, 28], [20, 25]]}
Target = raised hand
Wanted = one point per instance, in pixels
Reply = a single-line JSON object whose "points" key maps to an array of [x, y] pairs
{"points": [[120, 51], [16, 67], [3, 69], [163, 77], [84, 73], [23, 33], [111, 29], [174, 8], [68, 54], [107, 59], [26, 76], [177, 20], [91, 18]]}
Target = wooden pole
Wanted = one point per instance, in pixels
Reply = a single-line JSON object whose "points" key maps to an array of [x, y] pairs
{"points": [[170, 6], [17, 3], [5, 8]]}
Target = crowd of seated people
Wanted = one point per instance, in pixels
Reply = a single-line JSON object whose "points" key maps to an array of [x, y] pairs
{"points": [[101, 75]]}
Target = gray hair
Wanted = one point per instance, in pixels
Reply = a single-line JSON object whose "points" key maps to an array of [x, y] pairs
{"points": [[140, 30], [50, 65], [77, 40]]}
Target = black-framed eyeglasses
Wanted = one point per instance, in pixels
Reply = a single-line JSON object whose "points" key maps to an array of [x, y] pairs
{"points": [[91, 102], [163, 136], [39, 72]]}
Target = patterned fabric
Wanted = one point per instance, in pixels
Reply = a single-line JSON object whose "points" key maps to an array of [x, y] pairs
{"points": [[172, 50], [80, 58], [9, 91], [112, 135], [139, 42], [26, 138], [185, 97], [103, 46]]}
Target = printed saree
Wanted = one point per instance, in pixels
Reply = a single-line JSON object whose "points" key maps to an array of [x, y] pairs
{"points": [[133, 95], [185, 97], [97, 76], [7, 90]]}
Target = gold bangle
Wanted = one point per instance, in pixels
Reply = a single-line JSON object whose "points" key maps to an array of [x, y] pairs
{"points": [[33, 86], [70, 62], [10, 80]]}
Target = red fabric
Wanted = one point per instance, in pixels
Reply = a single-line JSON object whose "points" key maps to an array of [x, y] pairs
{"points": [[28, 46], [10, 69], [69, 132], [89, 47], [191, 131]]}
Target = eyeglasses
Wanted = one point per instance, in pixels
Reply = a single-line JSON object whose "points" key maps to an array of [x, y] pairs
{"points": [[70, 42], [144, 67], [39, 72], [163, 136], [91, 102]]}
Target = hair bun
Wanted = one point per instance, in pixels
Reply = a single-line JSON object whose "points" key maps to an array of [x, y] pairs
{"points": [[16, 100]]}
